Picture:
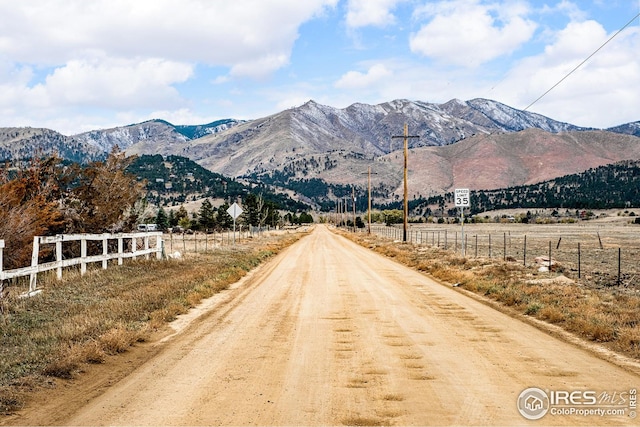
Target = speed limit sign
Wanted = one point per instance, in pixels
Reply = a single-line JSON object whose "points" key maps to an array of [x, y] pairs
{"points": [[462, 198]]}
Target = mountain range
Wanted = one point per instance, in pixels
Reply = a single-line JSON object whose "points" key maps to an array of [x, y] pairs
{"points": [[478, 144]]}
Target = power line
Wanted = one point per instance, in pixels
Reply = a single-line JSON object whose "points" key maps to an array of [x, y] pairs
{"points": [[582, 63]]}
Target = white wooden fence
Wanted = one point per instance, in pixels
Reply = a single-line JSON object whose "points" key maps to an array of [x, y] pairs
{"points": [[132, 252]]}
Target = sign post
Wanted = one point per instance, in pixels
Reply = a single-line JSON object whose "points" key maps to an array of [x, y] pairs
{"points": [[235, 211], [462, 200]]}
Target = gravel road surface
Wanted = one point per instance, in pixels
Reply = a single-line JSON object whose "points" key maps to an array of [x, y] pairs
{"points": [[330, 333]]}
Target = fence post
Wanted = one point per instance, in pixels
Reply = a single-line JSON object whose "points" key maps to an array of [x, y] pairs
{"points": [[504, 255], [476, 246], [549, 256], [524, 252], [120, 250], [146, 245], [105, 250], [34, 263], [579, 260], [619, 266], [83, 255], [1, 262], [466, 244], [134, 247], [160, 247], [59, 256]]}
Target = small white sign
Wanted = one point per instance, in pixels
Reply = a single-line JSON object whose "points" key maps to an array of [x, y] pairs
{"points": [[234, 210], [462, 197]]}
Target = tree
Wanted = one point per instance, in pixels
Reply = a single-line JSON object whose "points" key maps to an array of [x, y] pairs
{"points": [[207, 215], [394, 216], [252, 207], [224, 220], [180, 215], [172, 219], [184, 223], [104, 193], [162, 220], [305, 218], [27, 209]]}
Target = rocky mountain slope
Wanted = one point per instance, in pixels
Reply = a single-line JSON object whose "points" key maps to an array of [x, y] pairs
{"points": [[628, 129], [153, 135], [480, 144], [270, 143], [25, 143], [479, 162]]}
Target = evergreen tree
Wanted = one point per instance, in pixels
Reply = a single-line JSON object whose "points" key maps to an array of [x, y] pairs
{"points": [[305, 218], [252, 210], [180, 214], [162, 220], [224, 220], [207, 215]]}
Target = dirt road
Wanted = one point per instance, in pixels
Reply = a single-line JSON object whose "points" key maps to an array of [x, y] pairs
{"points": [[329, 333]]}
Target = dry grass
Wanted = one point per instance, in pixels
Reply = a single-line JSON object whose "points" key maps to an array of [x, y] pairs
{"points": [[610, 316], [84, 319]]}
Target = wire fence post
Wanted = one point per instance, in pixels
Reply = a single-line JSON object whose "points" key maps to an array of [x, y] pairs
{"points": [[504, 255], [579, 261], [619, 266], [549, 256], [476, 246]]}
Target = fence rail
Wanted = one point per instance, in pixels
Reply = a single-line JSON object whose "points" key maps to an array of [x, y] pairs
{"points": [[124, 251], [607, 260]]}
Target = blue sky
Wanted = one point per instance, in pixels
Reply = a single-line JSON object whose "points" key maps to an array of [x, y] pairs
{"points": [[78, 65]]}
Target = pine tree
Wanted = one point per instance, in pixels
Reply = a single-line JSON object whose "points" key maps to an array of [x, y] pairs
{"points": [[162, 220], [224, 220], [207, 215]]}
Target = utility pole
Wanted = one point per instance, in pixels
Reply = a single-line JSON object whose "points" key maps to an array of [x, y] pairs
{"points": [[353, 198], [369, 202], [405, 215]]}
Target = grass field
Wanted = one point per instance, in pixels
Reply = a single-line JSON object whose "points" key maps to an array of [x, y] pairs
{"points": [[83, 319]]}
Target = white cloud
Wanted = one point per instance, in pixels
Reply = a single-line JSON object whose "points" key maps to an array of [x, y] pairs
{"points": [[601, 93], [64, 55], [260, 67], [361, 13], [470, 32], [358, 80], [116, 82], [215, 33]]}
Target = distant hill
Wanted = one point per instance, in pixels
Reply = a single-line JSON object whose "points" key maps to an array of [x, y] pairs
{"points": [[628, 129], [613, 186], [175, 180], [26, 143], [273, 142], [153, 135]]}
